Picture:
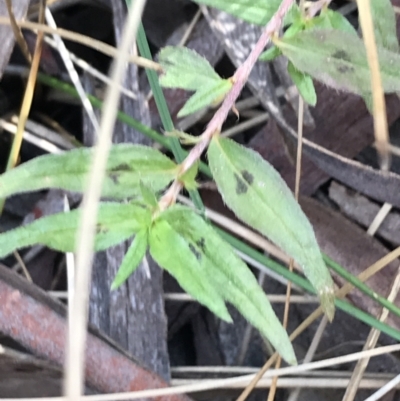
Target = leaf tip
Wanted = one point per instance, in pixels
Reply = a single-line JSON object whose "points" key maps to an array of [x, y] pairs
{"points": [[226, 317], [117, 282], [327, 297]]}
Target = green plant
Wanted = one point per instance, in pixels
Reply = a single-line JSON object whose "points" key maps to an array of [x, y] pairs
{"points": [[325, 47]]}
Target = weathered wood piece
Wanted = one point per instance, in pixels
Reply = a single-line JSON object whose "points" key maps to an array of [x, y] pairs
{"points": [[363, 211], [134, 314], [38, 323]]}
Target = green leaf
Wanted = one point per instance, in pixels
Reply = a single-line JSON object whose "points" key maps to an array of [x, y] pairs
{"points": [[115, 223], [304, 84], [329, 19], [257, 12], [339, 60], [274, 51], [253, 189], [189, 178], [186, 69], [294, 29], [133, 257], [270, 54], [384, 19], [230, 276], [127, 166], [176, 255], [205, 96], [183, 137], [148, 195]]}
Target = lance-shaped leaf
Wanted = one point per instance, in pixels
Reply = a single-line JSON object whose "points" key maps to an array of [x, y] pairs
{"points": [[148, 196], [384, 20], [115, 223], [186, 69], [188, 179], [271, 54], [230, 276], [339, 60], [133, 257], [127, 166], [257, 12], [274, 51], [330, 19], [254, 190], [206, 96], [176, 255], [303, 83]]}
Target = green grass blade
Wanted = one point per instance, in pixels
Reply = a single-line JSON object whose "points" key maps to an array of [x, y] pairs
{"points": [[361, 286], [162, 107], [303, 283]]}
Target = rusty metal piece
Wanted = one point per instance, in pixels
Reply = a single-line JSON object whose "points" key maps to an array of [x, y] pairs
{"points": [[37, 322]]}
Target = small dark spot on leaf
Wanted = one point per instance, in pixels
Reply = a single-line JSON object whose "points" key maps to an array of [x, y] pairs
{"points": [[343, 69], [342, 55], [195, 252], [247, 177], [122, 167], [115, 178], [101, 229], [241, 186], [201, 243]]}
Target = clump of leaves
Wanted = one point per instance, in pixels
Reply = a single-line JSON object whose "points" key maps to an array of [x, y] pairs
{"points": [[323, 47], [185, 69]]}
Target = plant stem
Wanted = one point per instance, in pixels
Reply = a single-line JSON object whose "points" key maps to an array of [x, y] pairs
{"points": [[239, 80], [162, 107], [162, 140]]}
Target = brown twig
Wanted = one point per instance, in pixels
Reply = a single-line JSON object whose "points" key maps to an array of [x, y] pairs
{"points": [[379, 105], [84, 40], [19, 37], [27, 100]]}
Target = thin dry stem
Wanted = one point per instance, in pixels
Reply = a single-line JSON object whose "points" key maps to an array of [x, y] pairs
{"points": [[84, 40], [73, 74], [311, 352], [384, 390], [23, 266], [379, 218], [28, 96], [89, 69], [379, 106], [341, 293], [215, 384], [370, 343], [300, 125], [190, 28], [86, 231], [27, 100], [19, 37]]}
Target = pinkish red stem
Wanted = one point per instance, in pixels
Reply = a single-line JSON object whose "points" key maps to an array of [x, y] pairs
{"points": [[239, 80]]}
